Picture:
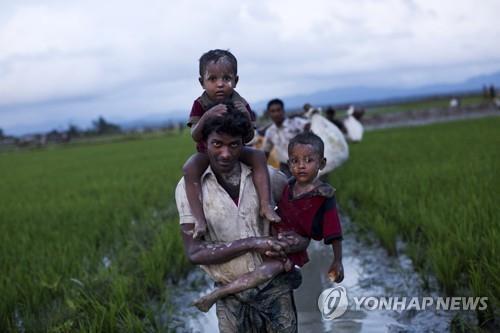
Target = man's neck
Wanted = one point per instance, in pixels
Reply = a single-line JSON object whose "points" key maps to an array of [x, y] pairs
{"points": [[230, 180]]}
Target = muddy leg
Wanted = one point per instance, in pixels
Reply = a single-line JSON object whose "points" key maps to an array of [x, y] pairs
{"points": [[268, 270], [193, 169], [257, 160]]}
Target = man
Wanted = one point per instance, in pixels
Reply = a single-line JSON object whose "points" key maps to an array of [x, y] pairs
{"points": [[279, 134], [236, 236], [330, 115]]}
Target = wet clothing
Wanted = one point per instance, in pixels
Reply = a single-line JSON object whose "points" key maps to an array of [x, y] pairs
{"points": [[269, 307], [228, 221], [279, 137], [203, 104], [312, 214]]}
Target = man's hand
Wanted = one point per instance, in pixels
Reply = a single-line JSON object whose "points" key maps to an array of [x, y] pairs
{"points": [[269, 246], [336, 271], [290, 237], [294, 242]]}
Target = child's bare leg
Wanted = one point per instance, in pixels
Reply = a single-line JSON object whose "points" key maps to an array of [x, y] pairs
{"points": [[257, 160], [265, 272], [193, 170]]}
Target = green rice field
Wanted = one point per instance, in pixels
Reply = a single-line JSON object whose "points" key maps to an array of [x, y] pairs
{"points": [[468, 100], [436, 188], [89, 233]]}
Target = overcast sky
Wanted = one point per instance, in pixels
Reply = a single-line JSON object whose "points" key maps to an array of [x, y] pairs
{"points": [[67, 62]]}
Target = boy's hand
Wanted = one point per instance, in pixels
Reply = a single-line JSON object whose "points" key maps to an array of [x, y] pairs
{"points": [[336, 271], [240, 106], [217, 110]]}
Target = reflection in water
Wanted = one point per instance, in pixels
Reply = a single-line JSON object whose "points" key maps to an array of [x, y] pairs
{"points": [[368, 272], [315, 281]]}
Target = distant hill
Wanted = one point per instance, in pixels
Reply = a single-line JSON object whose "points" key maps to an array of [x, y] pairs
{"points": [[368, 95]]}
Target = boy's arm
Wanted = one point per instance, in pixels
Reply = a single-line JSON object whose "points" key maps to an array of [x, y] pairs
{"points": [[336, 270], [197, 128], [206, 253]]}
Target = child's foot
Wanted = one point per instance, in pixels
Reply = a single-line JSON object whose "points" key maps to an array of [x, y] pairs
{"points": [[268, 213], [204, 303], [200, 229]]}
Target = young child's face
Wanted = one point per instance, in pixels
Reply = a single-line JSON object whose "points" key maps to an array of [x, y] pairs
{"points": [[219, 80], [305, 163]]}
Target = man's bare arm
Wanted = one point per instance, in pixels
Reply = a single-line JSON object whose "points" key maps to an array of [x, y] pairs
{"points": [[201, 252]]}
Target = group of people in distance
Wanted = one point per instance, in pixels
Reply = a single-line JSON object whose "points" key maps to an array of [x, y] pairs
{"points": [[227, 198]]}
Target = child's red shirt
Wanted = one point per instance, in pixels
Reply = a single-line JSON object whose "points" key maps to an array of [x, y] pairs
{"points": [[203, 104], [312, 214]]}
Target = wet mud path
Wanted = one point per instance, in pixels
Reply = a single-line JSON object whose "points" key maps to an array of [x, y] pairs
{"points": [[369, 271]]}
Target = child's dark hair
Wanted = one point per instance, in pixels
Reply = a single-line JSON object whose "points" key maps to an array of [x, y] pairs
{"points": [[216, 55], [233, 123], [308, 138], [275, 101]]}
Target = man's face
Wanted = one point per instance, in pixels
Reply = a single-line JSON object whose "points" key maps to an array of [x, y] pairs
{"points": [[223, 151], [219, 80], [276, 113]]}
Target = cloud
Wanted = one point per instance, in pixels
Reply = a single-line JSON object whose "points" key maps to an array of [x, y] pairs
{"points": [[128, 58]]}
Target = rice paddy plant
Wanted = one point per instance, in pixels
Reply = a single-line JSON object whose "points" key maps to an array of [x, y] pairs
{"points": [[386, 232], [87, 233], [436, 187]]}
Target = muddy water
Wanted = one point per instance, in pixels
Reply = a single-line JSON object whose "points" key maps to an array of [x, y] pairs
{"points": [[368, 272]]}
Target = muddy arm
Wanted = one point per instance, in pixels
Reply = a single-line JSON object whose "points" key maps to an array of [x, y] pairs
{"points": [[336, 270], [201, 252], [197, 129]]}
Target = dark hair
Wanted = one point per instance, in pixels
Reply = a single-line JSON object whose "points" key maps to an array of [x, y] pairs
{"points": [[216, 55], [233, 123], [275, 101], [308, 138]]}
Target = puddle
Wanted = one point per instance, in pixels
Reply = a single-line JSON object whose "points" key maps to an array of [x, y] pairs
{"points": [[369, 271]]}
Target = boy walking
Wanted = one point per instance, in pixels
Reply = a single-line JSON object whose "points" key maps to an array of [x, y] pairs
{"points": [[279, 134]]}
